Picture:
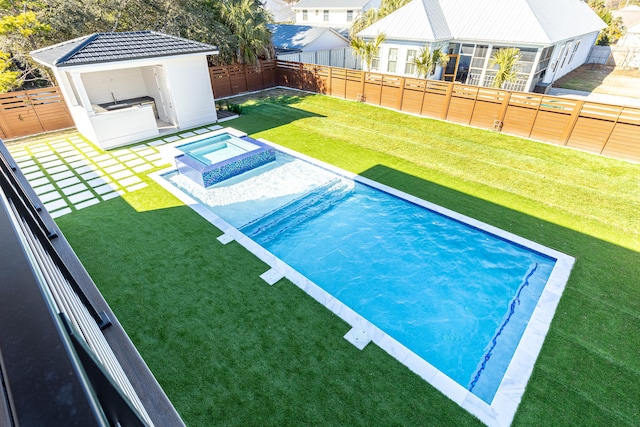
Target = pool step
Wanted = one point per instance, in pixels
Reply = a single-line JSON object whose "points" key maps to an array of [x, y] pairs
{"points": [[267, 227]]}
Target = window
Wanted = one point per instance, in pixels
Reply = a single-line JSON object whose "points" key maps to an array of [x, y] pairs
{"points": [[410, 67], [557, 61], [349, 15], [393, 60], [305, 15], [566, 53], [375, 60], [573, 52], [326, 15]]}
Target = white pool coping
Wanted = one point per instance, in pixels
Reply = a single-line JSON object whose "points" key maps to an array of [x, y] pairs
{"points": [[509, 394]]}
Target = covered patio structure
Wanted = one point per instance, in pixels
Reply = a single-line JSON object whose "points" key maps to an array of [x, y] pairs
{"points": [[126, 87]]}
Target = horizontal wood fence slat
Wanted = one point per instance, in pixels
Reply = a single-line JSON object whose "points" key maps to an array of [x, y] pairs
{"points": [[33, 111], [610, 130]]}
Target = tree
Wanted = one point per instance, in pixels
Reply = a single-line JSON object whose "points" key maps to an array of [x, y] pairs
{"points": [[366, 50], [615, 29], [248, 20], [426, 61], [373, 15], [506, 60]]}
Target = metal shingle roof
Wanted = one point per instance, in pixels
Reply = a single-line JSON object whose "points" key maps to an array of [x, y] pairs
{"points": [[330, 4], [521, 21], [110, 47]]}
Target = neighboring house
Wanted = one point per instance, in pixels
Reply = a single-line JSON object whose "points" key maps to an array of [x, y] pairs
{"points": [[305, 38], [554, 37], [630, 16], [280, 10], [124, 87], [331, 13]]}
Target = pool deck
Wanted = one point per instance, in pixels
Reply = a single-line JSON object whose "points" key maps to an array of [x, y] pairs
{"points": [[69, 174], [505, 403]]}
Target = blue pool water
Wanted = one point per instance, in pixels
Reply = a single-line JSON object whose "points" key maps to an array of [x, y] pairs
{"points": [[457, 296], [217, 148]]}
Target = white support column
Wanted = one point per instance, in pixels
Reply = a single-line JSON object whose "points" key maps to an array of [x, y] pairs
{"points": [[82, 93]]}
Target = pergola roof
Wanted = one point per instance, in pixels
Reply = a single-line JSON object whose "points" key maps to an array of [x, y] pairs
{"points": [[124, 46]]}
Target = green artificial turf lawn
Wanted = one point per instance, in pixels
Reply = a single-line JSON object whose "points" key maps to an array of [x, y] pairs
{"points": [[230, 350]]}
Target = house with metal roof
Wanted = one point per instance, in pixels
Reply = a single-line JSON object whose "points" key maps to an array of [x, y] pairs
{"points": [[554, 37], [305, 38], [129, 86], [331, 13]]}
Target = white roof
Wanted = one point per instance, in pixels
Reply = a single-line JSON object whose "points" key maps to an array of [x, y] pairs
{"points": [[543, 22], [330, 4]]}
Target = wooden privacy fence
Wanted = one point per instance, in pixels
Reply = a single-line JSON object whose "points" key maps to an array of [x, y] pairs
{"points": [[611, 130], [33, 111], [228, 80]]}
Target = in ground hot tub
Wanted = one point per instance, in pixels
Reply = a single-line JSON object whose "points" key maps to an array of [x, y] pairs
{"points": [[215, 158]]}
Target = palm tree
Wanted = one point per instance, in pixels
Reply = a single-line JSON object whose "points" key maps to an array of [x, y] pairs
{"points": [[426, 61], [372, 15], [506, 59], [247, 20], [367, 50]]}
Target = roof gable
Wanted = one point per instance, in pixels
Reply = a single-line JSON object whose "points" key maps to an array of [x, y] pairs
{"points": [[124, 46], [296, 37], [421, 20], [521, 21]]}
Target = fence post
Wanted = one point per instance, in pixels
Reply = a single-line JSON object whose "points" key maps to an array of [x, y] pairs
{"points": [[575, 115], [401, 97], [329, 83], [447, 102]]}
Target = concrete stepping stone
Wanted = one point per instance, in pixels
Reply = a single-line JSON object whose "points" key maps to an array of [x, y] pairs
{"points": [[67, 182], [86, 204], [62, 175], [74, 189], [80, 197], [47, 197], [60, 212]]}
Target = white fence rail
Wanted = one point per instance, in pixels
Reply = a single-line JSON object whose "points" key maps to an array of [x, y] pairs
{"points": [[341, 57]]}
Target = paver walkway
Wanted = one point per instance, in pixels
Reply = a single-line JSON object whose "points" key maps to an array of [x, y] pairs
{"points": [[69, 173]]}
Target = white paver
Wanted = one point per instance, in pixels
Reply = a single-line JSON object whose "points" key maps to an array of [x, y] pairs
{"points": [[40, 181], [80, 197], [172, 138], [57, 169], [47, 197], [47, 158], [77, 161], [137, 187], [29, 169], [51, 164], [102, 158], [107, 163], [147, 152], [121, 174], [88, 203], [161, 162], [84, 169], [201, 131], [74, 189], [111, 195], [155, 143], [62, 175], [44, 189], [186, 134], [90, 175], [67, 182], [34, 175], [126, 156], [106, 188], [114, 168], [57, 204], [96, 182], [25, 163], [60, 212], [135, 162], [142, 168], [129, 181]]}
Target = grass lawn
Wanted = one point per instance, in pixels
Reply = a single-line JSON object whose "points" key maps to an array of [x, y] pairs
{"points": [[231, 350]]}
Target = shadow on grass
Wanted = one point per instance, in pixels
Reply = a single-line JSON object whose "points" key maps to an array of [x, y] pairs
{"points": [[269, 109], [229, 349]]}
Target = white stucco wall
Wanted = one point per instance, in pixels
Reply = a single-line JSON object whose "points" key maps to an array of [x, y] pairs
{"points": [[190, 87]]}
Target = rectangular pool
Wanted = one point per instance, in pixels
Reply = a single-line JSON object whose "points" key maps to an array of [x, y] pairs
{"points": [[461, 303]]}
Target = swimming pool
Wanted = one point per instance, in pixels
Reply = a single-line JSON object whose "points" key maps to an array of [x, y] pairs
{"points": [[489, 286], [219, 155]]}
